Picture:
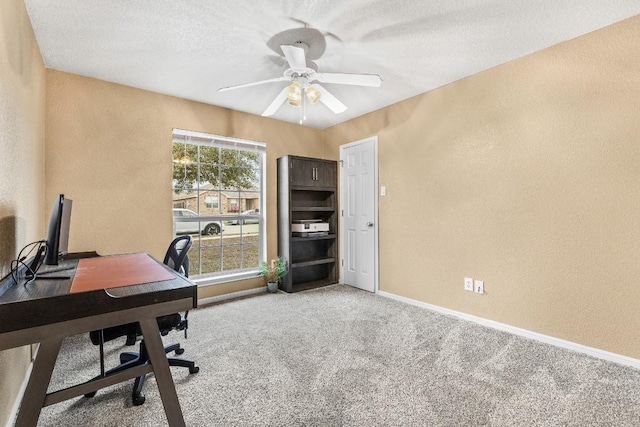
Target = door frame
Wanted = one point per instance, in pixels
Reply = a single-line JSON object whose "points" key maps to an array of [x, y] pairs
{"points": [[341, 188]]}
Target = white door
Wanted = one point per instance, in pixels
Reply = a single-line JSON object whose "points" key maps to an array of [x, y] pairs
{"points": [[359, 214]]}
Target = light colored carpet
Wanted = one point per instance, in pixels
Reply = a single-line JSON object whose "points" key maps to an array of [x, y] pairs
{"points": [[337, 356]]}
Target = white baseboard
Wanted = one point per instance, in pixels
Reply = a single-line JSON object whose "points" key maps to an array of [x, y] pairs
{"points": [[16, 405], [239, 294], [591, 351]]}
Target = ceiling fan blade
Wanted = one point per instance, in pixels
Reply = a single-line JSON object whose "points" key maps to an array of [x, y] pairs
{"points": [[295, 56], [277, 79], [372, 80], [276, 103], [329, 100]]}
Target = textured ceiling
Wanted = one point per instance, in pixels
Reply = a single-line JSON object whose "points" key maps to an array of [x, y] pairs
{"points": [[189, 49]]}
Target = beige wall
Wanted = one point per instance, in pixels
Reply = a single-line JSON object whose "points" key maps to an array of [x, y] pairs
{"points": [[526, 176], [22, 169], [109, 147]]}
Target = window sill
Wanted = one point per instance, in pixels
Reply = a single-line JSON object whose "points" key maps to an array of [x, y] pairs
{"points": [[225, 278]]}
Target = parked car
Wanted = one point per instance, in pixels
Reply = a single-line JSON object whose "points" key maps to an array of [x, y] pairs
{"points": [[185, 222], [252, 218]]}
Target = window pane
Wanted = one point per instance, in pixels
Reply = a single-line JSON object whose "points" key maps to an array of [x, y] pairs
{"points": [[209, 155], [250, 201], [209, 176], [211, 260], [250, 255], [211, 232], [185, 153], [209, 202], [185, 176], [194, 260], [231, 257], [247, 160], [183, 200], [250, 237]]}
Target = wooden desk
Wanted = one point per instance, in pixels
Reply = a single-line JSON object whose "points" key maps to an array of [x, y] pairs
{"points": [[46, 311]]}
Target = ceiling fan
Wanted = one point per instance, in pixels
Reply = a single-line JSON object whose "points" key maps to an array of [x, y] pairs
{"points": [[297, 45]]}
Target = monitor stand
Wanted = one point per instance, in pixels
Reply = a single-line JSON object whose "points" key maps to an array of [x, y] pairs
{"points": [[32, 269]]}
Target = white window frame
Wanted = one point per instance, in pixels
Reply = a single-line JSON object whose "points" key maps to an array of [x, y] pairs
{"points": [[244, 145]]}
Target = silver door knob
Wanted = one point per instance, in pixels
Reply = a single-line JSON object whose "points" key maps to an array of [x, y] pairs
{"points": [[369, 224]]}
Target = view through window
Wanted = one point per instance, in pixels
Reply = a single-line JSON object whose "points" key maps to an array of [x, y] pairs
{"points": [[218, 199]]}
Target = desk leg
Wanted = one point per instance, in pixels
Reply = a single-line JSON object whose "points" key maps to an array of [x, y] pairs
{"points": [[160, 365], [36, 390]]}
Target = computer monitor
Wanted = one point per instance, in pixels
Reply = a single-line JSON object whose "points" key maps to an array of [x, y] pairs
{"points": [[58, 233]]}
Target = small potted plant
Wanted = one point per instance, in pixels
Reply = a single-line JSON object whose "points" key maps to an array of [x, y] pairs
{"points": [[273, 273]]}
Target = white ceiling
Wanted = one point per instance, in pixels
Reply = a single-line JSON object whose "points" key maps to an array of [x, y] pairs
{"points": [[190, 48]]}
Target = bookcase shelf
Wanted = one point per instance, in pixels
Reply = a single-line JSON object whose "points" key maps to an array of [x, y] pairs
{"points": [[313, 262], [312, 209], [304, 239]]}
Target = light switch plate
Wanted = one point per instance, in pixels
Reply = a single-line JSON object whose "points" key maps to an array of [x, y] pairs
{"points": [[383, 191], [478, 286]]}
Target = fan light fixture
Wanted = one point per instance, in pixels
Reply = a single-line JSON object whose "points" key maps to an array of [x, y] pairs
{"points": [[294, 94], [313, 94]]}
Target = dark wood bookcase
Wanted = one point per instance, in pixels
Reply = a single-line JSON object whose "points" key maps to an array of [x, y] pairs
{"points": [[307, 191]]}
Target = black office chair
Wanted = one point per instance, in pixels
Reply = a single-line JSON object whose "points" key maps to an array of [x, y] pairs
{"points": [[176, 258]]}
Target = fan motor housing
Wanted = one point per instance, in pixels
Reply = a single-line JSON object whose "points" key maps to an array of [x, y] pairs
{"points": [[309, 39]]}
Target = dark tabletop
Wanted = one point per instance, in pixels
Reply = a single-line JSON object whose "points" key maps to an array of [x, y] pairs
{"points": [[45, 301]]}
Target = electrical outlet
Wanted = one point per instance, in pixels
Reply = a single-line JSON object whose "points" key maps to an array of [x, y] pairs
{"points": [[478, 286], [468, 284]]}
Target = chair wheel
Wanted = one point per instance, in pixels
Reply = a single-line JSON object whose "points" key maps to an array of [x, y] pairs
{"points": [[138, 399], [194, 370], [89, 395], [180, 351]]}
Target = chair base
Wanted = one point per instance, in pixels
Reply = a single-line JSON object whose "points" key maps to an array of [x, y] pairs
{"points": [[129, 359]]}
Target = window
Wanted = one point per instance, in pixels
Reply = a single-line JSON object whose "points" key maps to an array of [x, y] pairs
{"points": [[213, 178], [212, 202]]}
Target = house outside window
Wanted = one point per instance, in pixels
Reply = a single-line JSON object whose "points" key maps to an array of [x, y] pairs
{"points": [[214, 179]]}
